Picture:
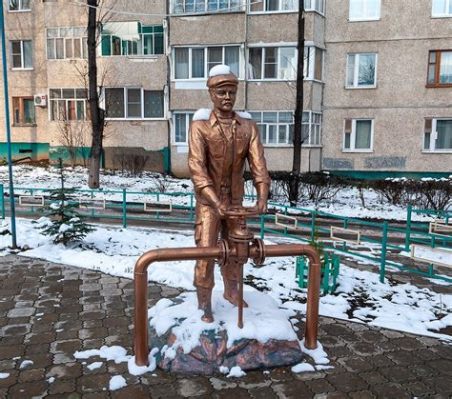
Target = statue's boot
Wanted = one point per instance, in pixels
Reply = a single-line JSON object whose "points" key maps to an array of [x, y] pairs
{"points": [[231, 292], [205, 303]]}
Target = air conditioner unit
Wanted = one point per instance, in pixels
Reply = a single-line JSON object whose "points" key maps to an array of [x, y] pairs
{"points": [[40, 100]]}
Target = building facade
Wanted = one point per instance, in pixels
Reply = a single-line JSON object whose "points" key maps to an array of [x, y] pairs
{"points": [[388, 88], [377, 87]]}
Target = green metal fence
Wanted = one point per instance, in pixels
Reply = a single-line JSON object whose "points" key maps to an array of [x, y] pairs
{"points": [[128, 206]]}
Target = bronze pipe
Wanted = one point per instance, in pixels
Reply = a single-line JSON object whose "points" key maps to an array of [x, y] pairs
{"points": [[312, 305], [141, 343]]}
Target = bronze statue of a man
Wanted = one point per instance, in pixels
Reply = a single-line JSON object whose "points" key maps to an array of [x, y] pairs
{"points": [[220, 141]]}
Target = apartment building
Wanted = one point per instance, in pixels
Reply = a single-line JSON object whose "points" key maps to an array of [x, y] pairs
{"points": [[259, 42], [48, 79], [388, 88], [377, 88], [153, 65]]}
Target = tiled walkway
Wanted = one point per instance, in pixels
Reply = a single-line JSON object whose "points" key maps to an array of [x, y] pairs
{"points": [[49, 311]]}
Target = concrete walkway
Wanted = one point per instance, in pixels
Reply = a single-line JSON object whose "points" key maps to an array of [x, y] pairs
{"points": [[49, 311]]}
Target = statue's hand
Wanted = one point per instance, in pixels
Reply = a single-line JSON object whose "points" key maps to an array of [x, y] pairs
{"points": [[262, 207], [221, 210]]}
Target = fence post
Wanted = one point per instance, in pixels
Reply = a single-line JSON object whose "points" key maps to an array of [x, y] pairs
{"points": [[313, 226], [191, 207], [383, 252], [408, 227], [124, 208], [262, 226], [2, 193]]}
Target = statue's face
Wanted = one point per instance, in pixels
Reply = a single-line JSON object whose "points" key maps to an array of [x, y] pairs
{"points": [[223, 97]]}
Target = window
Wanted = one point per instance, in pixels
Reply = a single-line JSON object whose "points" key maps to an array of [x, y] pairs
{"points": [[439, 68], [23, 111], [195, 62], [275, 63], [438, 135], [442, 8], [358, 135], [19, 5], [68, 104], [315, 5], [21, 52], [361, 70], [182, 122], [205, 6], [130, 38], [66, 43], [273, 5], [364, 10], [312, 128], [313, 63], [134, 103]]}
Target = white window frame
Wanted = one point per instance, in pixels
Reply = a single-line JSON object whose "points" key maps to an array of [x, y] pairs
{"points": [[187, 124], [319, 6], [353, 136], [356, 72], [134, 118], [230, 8], [363, 19], [20, 8], [85, 104], [308, 140], [447, 6], [249, 2], [206, 71], [309, 62], [278, 63], [433, 138], [83, 47], [22, 56], [264, 140]]}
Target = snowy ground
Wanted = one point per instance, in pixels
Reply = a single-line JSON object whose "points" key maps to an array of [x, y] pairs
{"points": [[346, 203], [360, 296]]}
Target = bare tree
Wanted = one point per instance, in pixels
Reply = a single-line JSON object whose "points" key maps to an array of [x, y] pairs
{"points": [[73, 137], [97, 114], [298, 128]]}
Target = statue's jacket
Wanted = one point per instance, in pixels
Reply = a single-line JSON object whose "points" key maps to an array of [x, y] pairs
{"points": [[218, 161]]}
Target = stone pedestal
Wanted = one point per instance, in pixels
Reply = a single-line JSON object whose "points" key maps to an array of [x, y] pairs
{"points": [[190, 346]]}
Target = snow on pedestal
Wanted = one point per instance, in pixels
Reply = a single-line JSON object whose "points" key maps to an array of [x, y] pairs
{"points": [[186, 344]]}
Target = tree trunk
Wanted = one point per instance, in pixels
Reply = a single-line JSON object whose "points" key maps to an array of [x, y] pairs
{"points": [[298, 129], [97, 114]]}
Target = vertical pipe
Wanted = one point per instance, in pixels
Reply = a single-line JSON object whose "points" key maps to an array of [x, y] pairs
{"points": [[240, 307], [383, 252], [124, 208], [312, 305], [141, 344], [408, 227], [8, 130]]}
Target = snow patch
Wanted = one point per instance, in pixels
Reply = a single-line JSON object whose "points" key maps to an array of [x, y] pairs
{"points": [[236, 371], [318, 355], [302, 367], [219, 70], [25, 364], [202, 114], [244, 114], [95, 365], [4, 376], [264, 320], [117, 382]]}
